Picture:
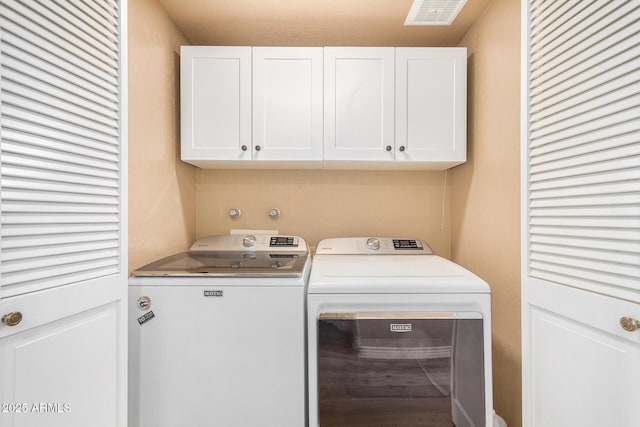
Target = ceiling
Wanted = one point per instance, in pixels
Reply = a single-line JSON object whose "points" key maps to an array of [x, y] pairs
{"points": [[312, 23]]}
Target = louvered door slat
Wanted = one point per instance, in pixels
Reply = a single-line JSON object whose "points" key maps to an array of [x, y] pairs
{"points": [[591, 233], [548, 24], [34, 99], [39, 241], [618, 53], [62, 34], [89, 34], [586, 108], [82, 99], [64, 272], [583, 158], [606, 247], [603, 122], [56, 112], [69, 78], [57, 124], [107, 36], [569, 40], [612, 103], [582, 14], [14, 23], [48, 139], [542, 13], [607, 137], [619, 78], [104, 15], [585, 154], [66, 156], [60, 249], [60, 175]]}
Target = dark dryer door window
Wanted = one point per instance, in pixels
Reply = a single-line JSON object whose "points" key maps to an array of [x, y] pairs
{"points": [[400, 370]]}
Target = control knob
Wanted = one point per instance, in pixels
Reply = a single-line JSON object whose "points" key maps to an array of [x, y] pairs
{"points": [[249, 241], [373, 243]]}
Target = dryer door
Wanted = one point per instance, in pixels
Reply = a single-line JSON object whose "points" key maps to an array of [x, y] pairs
{"points": [[401, 369]]}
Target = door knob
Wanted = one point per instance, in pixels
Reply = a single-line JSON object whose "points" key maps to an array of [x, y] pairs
{"points": [[629, 324], [258, 148], [244, 148], [402, 148], [12, 319], [388, 148]]}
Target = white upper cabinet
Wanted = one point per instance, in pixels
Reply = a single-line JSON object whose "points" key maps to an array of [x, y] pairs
{"points": [[332, 107], [431, 106], [215, 103], [287, 104], [358, 105]]}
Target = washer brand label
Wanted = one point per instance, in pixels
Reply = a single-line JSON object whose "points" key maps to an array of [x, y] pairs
{"points": [[212, 293], [146, 317], [400, 327]]}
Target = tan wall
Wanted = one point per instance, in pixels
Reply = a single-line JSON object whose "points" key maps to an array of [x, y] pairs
{"points": [[321, 204], [161, 187], [485, 198]]}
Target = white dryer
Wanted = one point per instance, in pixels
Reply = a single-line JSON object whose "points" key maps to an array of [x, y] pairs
{"points": [[397, 336], [217, 335]]}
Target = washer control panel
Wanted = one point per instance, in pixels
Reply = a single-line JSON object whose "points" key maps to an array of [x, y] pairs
{"points": [[267, 243], [402, 244], [373, 246], [280, 241]]}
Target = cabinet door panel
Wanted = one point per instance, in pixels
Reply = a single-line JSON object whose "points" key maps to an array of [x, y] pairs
{"points": [[215, 102], [358, 104], [580, 367], [431, 104], [63, 363], [287, 103]]}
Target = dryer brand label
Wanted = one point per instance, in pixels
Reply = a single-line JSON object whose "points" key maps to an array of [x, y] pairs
{"points": [[146, 317], [212, 293], [400, 327]]}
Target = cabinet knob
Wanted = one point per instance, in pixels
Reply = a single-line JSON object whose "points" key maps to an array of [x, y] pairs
{"points": [[629, 324], [402, 148], [258, 148], [244, 148], [388, 148], [12, 319]]}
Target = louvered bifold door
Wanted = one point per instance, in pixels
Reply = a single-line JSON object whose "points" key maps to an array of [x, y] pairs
{"points": [[60, 129], [584, 145], [580, 213]]}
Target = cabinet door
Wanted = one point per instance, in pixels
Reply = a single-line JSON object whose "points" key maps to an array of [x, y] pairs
{"points": [[431, 105], [287, 103], [358, 103], [215, 103]]}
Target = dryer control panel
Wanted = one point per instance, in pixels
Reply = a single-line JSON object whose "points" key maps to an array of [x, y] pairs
{"points": [[373, 246]]}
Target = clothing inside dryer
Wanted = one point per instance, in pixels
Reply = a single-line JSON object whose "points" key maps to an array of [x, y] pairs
{"points": [[400, 372]]}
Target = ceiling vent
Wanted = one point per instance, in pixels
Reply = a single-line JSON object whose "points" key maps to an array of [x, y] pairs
{"points": [[434, 12]]}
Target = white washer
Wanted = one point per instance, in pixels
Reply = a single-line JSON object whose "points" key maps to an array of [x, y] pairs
{"points": [[397, 337], [217, 335]]}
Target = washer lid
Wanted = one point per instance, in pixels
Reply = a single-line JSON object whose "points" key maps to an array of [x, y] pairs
{"points": [[336, 274], [235, 256]]}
